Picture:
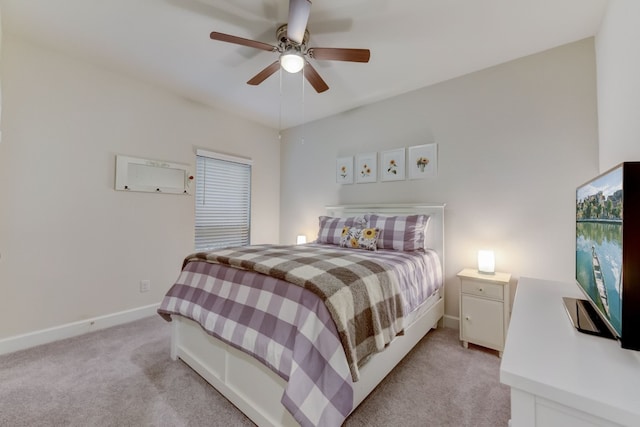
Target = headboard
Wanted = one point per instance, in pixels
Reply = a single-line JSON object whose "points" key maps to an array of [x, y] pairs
{"points": [[434, 238]]}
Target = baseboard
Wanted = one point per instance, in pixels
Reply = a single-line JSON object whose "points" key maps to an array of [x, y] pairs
{"points": [[451, 322], [44, 336]]}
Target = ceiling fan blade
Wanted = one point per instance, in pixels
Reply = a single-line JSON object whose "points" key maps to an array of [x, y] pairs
{"points": [[339, 54], [298, 17], [314, 78], [262, 75], [244, 42]]}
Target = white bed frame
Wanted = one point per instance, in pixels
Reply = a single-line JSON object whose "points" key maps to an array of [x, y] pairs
{"points": [[256, 390]]}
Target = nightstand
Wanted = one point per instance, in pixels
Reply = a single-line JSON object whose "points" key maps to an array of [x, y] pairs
{"points": [[484, 308]]}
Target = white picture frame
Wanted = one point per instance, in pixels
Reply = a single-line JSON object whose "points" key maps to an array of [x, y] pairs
{"points": [[344, 170], [392, 165], [422, 161], [366, 168]]}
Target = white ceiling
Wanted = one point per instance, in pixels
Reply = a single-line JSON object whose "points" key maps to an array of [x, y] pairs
{"points": [[413, 43]]}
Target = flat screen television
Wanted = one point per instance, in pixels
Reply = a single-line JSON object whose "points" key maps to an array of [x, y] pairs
{"points": [[608, 256]]}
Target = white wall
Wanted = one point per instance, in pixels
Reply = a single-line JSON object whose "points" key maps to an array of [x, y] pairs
{"points": [[618, 64], [71, 247], [514, 141]]}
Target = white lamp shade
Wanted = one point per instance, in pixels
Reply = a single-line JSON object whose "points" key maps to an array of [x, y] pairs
{"points": [[486, 262], [292, 62], [301, 239]]}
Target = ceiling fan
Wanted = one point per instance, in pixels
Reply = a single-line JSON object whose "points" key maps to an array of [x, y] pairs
{"points": [[292, 46]]}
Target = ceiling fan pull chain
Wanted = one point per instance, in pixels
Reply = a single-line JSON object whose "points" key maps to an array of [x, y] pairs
{"points": [[280, 114], [302, 79]]}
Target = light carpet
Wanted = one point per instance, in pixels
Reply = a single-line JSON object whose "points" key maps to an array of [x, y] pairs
{"points": [[123, 376]]}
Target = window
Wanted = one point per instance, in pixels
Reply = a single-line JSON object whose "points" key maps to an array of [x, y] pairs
{"points": [[223, 201]]}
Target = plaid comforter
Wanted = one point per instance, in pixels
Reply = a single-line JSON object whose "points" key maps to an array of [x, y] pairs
{"points": [[288, 328], [361, 294]]}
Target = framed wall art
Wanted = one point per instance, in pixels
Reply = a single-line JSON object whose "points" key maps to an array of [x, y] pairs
{"points": [[423, 161], [392, 165], [366, 167], [344, 170]]}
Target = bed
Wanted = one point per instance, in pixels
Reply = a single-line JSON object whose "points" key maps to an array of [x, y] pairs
{"points": [[268, 381]]}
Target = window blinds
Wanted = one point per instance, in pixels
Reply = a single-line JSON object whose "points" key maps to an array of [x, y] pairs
{"points": [[223, 201]]}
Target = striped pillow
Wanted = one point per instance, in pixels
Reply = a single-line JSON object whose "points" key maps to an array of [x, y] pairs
{"points": [[331, 227], [401, 233]]}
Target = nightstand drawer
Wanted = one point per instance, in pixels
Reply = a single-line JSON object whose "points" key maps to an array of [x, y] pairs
{"points": [[484, 289]]}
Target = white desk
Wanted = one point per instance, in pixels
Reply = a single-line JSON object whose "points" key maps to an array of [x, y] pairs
{"points": [[559, 376]]}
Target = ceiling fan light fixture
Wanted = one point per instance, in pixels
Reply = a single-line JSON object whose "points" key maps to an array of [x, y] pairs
{"points": [[292, 61]]}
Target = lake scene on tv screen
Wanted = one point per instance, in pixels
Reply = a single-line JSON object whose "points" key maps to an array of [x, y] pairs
{"points": [[599, 243]]}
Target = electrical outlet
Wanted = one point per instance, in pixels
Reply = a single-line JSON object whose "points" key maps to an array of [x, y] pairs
{"points": [[145, 285]]}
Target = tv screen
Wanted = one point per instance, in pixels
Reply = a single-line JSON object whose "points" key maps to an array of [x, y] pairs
{"points": [[608, 256], [599, 213]]}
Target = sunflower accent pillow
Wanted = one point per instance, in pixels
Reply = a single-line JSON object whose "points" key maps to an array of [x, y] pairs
{"points": [[359, 238]]}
